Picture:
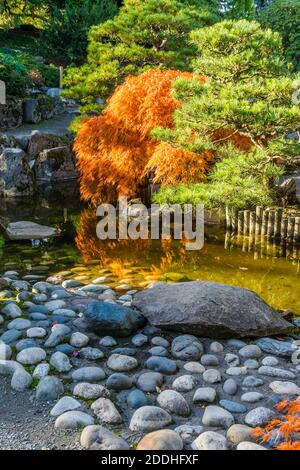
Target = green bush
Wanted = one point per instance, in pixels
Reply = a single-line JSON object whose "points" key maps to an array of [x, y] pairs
{"points": [[284, 16], [20, 71], [65, 32]]}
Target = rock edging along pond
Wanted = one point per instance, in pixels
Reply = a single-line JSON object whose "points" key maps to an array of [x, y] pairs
{"points": [[27, 162], [162, 390]]}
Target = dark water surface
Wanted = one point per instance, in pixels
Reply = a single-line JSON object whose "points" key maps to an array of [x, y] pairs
{"points": [[270, 270]]}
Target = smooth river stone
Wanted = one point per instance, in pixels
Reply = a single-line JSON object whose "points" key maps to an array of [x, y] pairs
{"points": [[259, 416], [31, 356], [106, 411], [210, 440], [149, 418], [173, 402], [121, 363], [162, 365], [232, 406], [73, 420], [150, 381], [215, 416], [187, 348], [88, 374], [99, 438], [276, 372], [165, 439], [284, 388]]}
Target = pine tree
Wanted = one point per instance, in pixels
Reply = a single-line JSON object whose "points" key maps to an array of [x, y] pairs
{"points": [[284, 16], [145, 34], [246, 102]]}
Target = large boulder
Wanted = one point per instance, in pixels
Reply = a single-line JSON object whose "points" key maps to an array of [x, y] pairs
{"points": [[24, 230], [110, 319], [41, 108], [209, 309], [56, 164], [15, 173], [38, 142]]}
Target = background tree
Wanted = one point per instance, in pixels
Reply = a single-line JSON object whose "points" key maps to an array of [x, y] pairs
{"points": [[238, 8], [18, 12], [113, 150], [64, 34], [247, 102], [284, 16], [145, 34]]}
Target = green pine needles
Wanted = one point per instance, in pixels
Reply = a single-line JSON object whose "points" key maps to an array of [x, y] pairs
{"points": [[242, 114], [145, 34]]}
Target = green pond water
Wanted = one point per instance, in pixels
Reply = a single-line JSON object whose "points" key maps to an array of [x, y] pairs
{"points": [[270, 270]]}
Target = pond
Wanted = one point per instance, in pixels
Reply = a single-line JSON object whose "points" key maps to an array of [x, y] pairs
{"points": [[270, 270]]}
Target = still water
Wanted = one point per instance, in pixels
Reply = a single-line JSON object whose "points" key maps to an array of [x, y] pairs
{"points": [[271, 271]]}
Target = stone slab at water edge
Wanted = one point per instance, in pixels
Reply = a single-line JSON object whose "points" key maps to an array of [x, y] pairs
{"points": [[209, 309], [25, 230]]}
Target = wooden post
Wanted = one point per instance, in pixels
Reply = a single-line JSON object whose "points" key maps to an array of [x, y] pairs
{"points": [[2, 93], [252, 223], [270, 230], [246, 222], [259, 212], [228, 218], [240, 222], [297, 230], [284, 225], [277, 223], [290, 228], [264, 224], [234, 220], [227, 240], [61, 77]]}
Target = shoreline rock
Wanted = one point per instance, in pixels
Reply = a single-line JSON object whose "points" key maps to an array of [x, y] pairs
{"points": [[209, 309]]}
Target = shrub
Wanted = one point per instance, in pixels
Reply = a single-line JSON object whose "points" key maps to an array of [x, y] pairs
{"points": [[20, 72]]}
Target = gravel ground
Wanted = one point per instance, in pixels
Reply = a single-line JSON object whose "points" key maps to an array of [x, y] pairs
{"points": [[25, 425]]}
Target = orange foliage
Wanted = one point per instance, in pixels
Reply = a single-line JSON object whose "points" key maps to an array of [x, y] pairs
{"points": [[114, 149], [173, 165], [284, 434], [241, 141]]}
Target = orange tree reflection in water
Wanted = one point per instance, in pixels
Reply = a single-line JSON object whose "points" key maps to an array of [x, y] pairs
{"points": [[119, 256], [274, 278]]}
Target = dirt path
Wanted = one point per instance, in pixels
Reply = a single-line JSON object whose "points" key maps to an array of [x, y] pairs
{"points": [[27, 425]]}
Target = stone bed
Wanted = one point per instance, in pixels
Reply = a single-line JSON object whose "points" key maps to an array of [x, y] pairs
{"points": [[149, 390]]}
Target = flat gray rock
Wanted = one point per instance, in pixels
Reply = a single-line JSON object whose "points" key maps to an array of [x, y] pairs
{"points": [[209, 309], [25, 230]]}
